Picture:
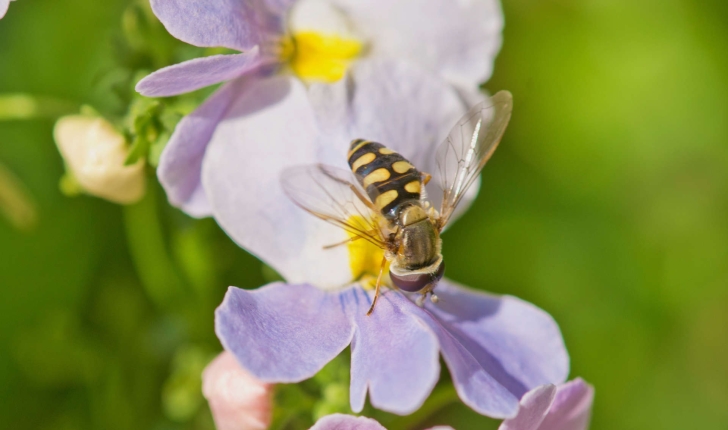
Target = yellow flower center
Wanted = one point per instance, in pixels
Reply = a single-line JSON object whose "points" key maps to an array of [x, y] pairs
{"points": [[320, 57], [365, 258]]}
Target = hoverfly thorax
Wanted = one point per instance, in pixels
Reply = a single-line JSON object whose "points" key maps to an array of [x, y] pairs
{"points": [[419, 240]]}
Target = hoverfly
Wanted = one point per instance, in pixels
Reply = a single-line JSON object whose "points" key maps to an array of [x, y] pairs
{"points": [[382, 199]]}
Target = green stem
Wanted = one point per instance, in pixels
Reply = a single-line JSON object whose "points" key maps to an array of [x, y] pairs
{"points": [[148, 251], [26, 106], [441, 397], [16, 203]]}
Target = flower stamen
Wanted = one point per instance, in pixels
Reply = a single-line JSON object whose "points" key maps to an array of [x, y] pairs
{"points": [[365, 259], [322, 57]]}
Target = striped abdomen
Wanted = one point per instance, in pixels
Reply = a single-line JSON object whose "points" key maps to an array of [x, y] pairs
{"points": [[388, 178]]}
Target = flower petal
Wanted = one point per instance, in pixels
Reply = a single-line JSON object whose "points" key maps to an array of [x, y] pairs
{"points": [[459, 41], [237, 400], [392, 102], [4, 4], [532, 409], [521, 343], [180, 165], [269, 127], [232, 24], [393, 354], [571, 408], [198, 73], [497, 348], [281, 332], [476, 387], [346, 422]]}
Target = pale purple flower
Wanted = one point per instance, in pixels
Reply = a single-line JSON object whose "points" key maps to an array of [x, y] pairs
{"points": [[548, 407], [349, 422], [456, 40], [346, 422], [564, 407], [496, 347]]}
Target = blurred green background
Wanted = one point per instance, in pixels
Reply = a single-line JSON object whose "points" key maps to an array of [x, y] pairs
{"points": [[606, 205]]}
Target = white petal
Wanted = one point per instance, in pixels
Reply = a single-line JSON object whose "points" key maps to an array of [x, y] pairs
{"points": [[269, 127], [4, 7], [456, 38], [390, 102], [320, 16]]}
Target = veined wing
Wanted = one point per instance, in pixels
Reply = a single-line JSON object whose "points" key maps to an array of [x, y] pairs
{"points": [[472, 141], [330, 193]]}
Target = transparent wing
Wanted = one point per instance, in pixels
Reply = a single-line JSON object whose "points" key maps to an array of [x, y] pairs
{"points": [[331, 194], [461, 157]]}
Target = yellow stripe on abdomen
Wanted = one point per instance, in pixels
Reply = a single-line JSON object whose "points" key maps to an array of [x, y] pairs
{"points": [[385, 198], [402, 166], [363, 161], [413, 187], [356, 148], [378, 175]]}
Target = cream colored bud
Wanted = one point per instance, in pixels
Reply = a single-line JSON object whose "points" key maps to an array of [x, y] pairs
{"points": [[94, 153]]}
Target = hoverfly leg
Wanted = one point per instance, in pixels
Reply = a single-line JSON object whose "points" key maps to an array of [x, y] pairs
{"points": [[379, 284], [334, 245], [434, 298], [349, 240], [421, 300], [426, 178]]}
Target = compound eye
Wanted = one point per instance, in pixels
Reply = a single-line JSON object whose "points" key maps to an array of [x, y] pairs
{"points": [[416, 282]]}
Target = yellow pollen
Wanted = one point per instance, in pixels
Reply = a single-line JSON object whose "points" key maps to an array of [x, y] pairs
{"points": [[365, 258], [385, 198], [320, 57]]}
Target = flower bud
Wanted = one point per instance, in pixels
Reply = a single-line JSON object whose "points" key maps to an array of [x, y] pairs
{"points": [[237, 400], [94, 153], [4, 7]]}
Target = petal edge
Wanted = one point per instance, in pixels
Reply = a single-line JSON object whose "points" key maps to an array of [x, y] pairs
{"points": [[282, 333]]}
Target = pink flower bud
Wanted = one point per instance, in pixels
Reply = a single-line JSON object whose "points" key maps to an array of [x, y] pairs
{"points": [[237, 400]]}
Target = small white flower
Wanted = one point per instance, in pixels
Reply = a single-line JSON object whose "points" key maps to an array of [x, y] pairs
{"points": [[4, 7], [94, 153]]}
